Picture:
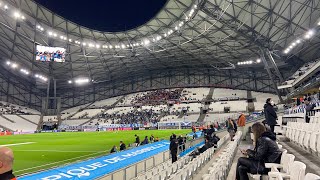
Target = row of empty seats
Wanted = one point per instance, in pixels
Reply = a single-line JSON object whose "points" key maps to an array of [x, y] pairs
{"points": [[182, 169], [219, 169], [305, 135]]}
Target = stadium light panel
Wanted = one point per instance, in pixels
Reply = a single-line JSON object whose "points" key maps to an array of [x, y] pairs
{"points": [[16, 15], [176, 28], [23, 18], [123, 46], [70, 82], [146, 42], [110, 47], [309, 34], [259, 60], [82, 81], [97, 46], [6, 7], [298, 41], [14, 65], [8, 62], [195, 6], [55, 35], [50, 33]]}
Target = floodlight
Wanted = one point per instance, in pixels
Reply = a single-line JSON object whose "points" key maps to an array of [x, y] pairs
{"points": [[70, 40], [54, 34], [195, 6], [123, 46], [8, 62], [50, 33], [14, 65], [16, 14], [84, 44], [69, 81], [259, 60], [97, 46], [298, 41], [23, 18], [309, 34], [146, 42], [6, 7]]}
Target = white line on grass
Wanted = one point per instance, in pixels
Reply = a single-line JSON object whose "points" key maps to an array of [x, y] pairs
{"points": [[52, 151], [17, 144], [44, 165]]}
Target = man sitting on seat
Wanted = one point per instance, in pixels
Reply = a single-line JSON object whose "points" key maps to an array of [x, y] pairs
{"points": [[6, 163]]}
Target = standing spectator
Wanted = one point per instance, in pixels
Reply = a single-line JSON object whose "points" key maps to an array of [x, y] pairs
{"points": [[6, 162], [242, 123], [231, 128], [171, 137], [210, 131], [151, 138], [174, 148], [122, 146], [145, 141], [181, 143], [270, 114], [113, 150], [137, 142], [309, 108]]}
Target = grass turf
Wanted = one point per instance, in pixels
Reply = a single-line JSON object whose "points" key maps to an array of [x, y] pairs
{"points": [[56, 149]]}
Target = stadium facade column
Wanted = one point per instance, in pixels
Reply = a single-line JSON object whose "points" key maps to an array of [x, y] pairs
{"points": [[267, 67]]}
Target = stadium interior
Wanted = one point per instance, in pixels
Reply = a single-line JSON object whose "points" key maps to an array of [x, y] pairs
{"points": [[174, 92]]}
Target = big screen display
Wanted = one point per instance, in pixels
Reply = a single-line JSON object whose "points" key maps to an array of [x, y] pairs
{"points": [[50, 54]]}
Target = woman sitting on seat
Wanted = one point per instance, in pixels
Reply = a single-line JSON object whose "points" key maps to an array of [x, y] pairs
{"points": [[265, 151]]}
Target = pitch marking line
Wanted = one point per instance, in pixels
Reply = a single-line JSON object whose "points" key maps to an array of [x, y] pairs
{"points": [[44, 165], [53, 151], [17, 144]]}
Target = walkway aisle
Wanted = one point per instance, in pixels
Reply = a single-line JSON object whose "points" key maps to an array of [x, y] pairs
{"points": [[243, 145]]}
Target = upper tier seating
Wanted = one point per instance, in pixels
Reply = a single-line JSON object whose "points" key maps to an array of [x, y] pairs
{"points": [[220, 93], [300, 74], [9, 108], [194, 94]]}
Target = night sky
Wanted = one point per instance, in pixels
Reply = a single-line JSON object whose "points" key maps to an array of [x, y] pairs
{"points": [[106, 15]]}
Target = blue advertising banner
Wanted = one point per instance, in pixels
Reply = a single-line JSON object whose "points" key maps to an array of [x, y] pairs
{"points": [[98, 167]]}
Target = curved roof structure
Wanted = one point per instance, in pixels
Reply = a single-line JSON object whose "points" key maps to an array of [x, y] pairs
{"points": [[185, 34]]}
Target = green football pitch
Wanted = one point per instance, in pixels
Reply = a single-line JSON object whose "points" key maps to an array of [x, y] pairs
{"points": [[41, 151]]}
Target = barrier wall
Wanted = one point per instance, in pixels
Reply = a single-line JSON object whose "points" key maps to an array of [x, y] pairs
{"points": [[130, 162]]}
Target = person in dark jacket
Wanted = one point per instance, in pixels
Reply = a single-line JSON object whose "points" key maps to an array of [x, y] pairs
{"points": [[145, 141], [265, 151], [137, 142], [174, 148], [181, 143], [231, 128], [113, 150], [122, 146], [270, 114], [210, 131], [6, 161]]}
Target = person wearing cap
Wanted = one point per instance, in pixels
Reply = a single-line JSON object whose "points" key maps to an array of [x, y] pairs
{"points": [[6, 164]]}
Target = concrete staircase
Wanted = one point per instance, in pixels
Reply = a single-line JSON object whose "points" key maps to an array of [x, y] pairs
{"points": [[202, 115]]}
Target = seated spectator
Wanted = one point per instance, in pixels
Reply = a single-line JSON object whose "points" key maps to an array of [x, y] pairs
{"points": [[122, 146], [145, 141], [6, 164], [113, 150], [157, 139], [198, 151], [265, 151]]}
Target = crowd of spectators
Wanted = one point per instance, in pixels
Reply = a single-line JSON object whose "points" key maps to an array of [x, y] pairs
{"points": [[12, 109], [161, 96]]}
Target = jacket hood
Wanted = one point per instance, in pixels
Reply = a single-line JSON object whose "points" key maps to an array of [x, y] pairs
{"points": [[269, 135]]}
